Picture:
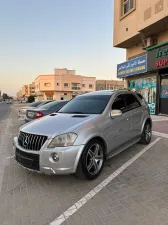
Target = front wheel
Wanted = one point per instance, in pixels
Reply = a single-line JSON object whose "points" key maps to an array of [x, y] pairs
{"points": [[147, 134], [92, 160]]}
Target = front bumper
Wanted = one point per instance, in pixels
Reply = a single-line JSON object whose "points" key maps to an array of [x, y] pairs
{"points": [[41, 161]]}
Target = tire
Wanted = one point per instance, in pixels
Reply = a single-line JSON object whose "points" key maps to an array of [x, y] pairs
{"points": [[147, 134], [92, 160]]}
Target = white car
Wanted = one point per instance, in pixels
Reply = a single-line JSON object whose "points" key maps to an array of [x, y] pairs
{"points": [[9, 101]]}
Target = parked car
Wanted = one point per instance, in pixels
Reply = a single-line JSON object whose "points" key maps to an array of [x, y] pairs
{"points": [[22, 110], [9, 101], [44, 110], [23, 101], [84, 133]]}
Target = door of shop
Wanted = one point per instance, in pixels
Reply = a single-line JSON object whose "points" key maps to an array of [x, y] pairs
{"points": [[164, 94]]}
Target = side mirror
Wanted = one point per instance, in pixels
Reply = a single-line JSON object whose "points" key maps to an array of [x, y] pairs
{"points": [[116, 113]]}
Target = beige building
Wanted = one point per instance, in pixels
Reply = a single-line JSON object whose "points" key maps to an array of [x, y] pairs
{"points": [[141, 27], [28, 90], [62, 85], [31, 89], [25, 91], [109, 84], [19, 94]]}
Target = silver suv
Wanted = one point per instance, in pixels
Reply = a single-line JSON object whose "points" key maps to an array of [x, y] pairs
{"points": [[84, 133]]}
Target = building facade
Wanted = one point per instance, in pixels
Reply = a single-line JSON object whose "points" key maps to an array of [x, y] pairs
{"points": [[109, 84], [141, 27], [25, 91], [62, 85], [31, 89]]}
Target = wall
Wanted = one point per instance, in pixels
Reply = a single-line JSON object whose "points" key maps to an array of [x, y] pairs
{"points": [[109, 84], [147, 12], [137, 50], [86, 81], [57, 84]]}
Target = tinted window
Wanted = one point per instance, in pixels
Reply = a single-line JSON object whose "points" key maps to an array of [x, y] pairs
{"points": [[50, 105], [93, 104], [35, 104], [131, 102], [44, 102], [119, 103], [60, 105]]}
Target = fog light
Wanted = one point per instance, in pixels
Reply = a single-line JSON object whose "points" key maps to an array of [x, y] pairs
{"points": [[55, 157]]}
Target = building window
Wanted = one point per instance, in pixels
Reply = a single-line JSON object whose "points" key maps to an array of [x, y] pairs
{"points": [[57, 84], [49, 97], [127, 5], [47, 84], [65, 84], [83, 85], [90, 86], [65, 93]]}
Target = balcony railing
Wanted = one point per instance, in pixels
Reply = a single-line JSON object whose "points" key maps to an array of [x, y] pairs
{"points": [[76, 88]]}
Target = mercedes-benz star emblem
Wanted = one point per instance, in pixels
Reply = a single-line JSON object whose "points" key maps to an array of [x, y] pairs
{"points": [[26, 141]]}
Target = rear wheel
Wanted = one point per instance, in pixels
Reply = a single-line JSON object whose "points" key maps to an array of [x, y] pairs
{"points": [[147, 134], [92, 160]]}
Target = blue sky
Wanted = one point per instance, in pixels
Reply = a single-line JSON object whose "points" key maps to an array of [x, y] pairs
{"points": [[40, 35]]}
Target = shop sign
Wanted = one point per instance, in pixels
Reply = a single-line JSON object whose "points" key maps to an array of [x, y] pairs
{"points": [[132, 67], [158, 58]]}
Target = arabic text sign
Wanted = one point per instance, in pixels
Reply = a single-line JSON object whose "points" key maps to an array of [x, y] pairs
{"points": [[132, 67]]}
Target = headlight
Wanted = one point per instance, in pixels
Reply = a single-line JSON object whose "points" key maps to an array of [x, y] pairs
{"points": [[63, 140]]}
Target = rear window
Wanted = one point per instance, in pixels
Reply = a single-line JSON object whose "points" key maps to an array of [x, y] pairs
{"points": [[51, 105], [35, 104]]}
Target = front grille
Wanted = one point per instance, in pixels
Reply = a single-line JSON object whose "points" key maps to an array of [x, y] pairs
{"points": [[27, 160], [31, 141]]}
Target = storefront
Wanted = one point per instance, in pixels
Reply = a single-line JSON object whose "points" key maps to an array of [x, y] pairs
{"points": [[158, 62], [135, 73]]}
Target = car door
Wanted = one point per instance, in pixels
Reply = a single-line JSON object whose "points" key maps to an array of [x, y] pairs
{"points": [[135, 108], [119, 126]]}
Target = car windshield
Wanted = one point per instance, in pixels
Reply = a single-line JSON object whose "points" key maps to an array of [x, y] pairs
{"points": [[35, 104], [52, 105], [93, 104]]}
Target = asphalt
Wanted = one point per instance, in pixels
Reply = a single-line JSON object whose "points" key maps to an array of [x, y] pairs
{"points": [[4, 111]]}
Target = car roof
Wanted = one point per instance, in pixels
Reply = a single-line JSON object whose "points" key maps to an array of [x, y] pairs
{"points": [[106, 92]]}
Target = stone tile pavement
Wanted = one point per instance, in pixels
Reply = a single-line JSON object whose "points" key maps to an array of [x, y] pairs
{"points": [[137, 196]]}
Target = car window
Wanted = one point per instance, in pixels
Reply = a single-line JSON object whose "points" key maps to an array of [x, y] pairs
{"points": [[93, 104], [35, 104], [119, 103], [143, 101], [131, 102], [43, 103], [49, 105], [60, 105]]}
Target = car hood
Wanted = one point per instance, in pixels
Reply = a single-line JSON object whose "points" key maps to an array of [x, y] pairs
{"points": [[55, 124]]}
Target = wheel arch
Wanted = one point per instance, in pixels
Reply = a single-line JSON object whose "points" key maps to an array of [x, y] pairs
{"points": [[148, 120]]}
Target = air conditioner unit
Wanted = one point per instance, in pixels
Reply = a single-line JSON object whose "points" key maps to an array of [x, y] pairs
{"points": [[149, 42]]}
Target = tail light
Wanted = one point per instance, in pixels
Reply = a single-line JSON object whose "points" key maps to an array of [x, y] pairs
{"points": [[39, 115]]}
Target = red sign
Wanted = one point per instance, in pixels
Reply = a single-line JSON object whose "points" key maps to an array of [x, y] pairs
{"points": [[160, 63]]}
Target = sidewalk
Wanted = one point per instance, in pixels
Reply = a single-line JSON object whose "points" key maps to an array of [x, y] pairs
{"points": [[159, 118]]}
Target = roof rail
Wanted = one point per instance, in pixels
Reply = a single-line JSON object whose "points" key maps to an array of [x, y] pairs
{"points": [[124, 89]]}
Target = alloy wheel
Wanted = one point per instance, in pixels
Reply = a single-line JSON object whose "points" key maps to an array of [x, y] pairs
{"points": [[94, 159]]}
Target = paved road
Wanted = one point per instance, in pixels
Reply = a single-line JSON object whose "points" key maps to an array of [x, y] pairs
{"points": [[137, 194], [4, 110]]}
